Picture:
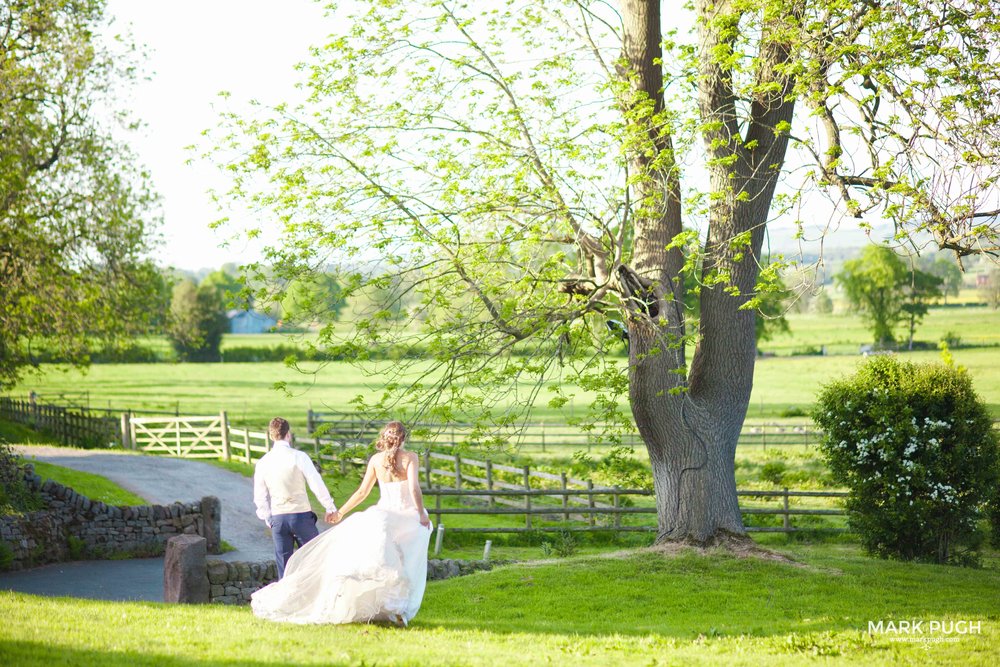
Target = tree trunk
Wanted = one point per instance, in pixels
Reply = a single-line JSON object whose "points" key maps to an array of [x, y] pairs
{"points": [[691, 449], [690, 421]]}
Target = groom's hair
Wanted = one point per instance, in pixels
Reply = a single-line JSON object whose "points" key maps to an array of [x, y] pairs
{"points": [[278, 429]]}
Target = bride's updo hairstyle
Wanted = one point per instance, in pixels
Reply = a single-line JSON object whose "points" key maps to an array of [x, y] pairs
{"points": [[390, 440]]}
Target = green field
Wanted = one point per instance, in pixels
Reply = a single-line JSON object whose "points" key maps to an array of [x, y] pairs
{"points": [[246, 390], [636, 607]]}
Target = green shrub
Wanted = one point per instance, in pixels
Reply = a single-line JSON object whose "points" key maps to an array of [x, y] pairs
{"points": [[914, 445], [6, 556], [563, 544], [773, 472], [75, 548]]}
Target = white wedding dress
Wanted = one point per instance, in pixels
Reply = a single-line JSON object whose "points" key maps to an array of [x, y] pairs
{"points": [[370, 567]]}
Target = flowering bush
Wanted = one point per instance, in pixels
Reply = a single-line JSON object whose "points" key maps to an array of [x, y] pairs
{"points": [[914, 445]]}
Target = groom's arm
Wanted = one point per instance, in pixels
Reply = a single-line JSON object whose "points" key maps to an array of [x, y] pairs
{"points": [[315, 482], [261, 498]]}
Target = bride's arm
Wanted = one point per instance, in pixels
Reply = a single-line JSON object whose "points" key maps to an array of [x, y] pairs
{"points": [[359, 496], [413, 479]]}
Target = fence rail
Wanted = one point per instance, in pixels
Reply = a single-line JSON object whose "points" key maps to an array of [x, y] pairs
{"points": [[542, 435], [70, 425], [560, 517]]}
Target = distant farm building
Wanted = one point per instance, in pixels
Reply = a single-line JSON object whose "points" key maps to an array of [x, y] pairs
{"points": [[250, 322]]}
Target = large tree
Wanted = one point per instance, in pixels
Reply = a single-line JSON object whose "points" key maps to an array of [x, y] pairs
{"points": [[534, 172], [74, 210]]}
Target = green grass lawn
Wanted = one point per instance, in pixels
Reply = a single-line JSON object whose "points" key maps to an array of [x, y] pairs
{"points": [[92, 486], [636, 608]]}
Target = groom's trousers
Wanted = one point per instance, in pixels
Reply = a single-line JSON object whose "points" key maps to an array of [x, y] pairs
{"points": [[289, 531]]}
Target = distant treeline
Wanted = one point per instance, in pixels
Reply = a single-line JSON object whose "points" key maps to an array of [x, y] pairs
{"points": [[142, 354]]}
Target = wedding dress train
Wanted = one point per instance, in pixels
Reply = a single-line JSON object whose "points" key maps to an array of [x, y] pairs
{"points": [[370, 567]]}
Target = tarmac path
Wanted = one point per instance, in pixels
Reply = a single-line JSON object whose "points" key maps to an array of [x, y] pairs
{"points": [[161, 481]]}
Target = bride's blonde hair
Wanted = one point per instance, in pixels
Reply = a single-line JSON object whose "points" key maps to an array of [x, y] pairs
{"points": [[390, 440]]}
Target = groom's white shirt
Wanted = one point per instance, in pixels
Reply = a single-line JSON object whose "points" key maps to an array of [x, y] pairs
{"points": [[279, 483]]}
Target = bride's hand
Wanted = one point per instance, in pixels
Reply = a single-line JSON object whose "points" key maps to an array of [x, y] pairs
{"points": [[425, 520]]}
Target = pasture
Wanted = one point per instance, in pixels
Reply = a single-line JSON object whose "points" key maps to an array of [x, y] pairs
{"points": [[246, 390], [633, 607]]}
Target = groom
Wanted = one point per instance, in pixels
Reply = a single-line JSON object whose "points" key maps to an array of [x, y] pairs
{"points": [[279, 492]]}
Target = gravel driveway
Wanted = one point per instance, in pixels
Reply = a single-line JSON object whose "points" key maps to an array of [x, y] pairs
{"points": [[162, 481]]}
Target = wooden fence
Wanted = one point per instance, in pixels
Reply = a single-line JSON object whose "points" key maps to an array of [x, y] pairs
{"points": [[492, 489], [560, 516], [540, 435], [70, 425], [548, 501]]}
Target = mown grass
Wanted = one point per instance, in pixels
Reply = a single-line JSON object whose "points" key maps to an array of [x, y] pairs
{"points": [[637, 608], [247, 391], [88, 484]]}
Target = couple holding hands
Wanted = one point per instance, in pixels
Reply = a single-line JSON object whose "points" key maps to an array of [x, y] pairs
{"points": [[371, 566]]}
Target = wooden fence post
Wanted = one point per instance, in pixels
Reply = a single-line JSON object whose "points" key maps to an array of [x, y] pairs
{"points": [[316, 450], [565, 498], [124, 429], [489, 482], [785, 519], [246, 442], [617, 504], [590, 501], [310, 425], [458, 476], [527, 498], [177, 433], [439, 539], [427, 466], [224, 427]]}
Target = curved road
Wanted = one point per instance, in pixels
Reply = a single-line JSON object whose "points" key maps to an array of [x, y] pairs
{"points": [[160, 481]]}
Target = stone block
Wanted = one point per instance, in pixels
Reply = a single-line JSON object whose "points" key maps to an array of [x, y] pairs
{"points": [[211, 523], [185, 570], [217, 572]]}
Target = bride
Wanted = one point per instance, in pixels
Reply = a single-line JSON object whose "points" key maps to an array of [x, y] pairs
{"points": [[369, 567]]}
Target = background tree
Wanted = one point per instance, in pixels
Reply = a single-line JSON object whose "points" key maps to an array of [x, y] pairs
{"points": [[226, 282], [313, 298], [918, 293], [873, 284], [534, 170], [880, 286], [75, 222], [991, 289], [947, 271], [197, 322]]}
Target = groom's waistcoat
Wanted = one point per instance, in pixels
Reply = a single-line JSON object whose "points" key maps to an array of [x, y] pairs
{"points": [[285, 482]]}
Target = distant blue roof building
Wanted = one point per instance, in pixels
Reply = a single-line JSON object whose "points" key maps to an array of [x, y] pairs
{"points": [[250, 322]]}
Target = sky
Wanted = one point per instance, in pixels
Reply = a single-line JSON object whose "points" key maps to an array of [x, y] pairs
{"points": [[196, 49]]}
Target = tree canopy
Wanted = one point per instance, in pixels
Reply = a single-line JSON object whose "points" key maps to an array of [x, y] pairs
{"points": [[75, 213], [536, 172]]}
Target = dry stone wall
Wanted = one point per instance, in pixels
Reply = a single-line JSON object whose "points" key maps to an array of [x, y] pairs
{"points": [[72, 527]]}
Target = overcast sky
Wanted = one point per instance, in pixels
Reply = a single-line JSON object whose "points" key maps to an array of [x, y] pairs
{"points": [[198, 48]]}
